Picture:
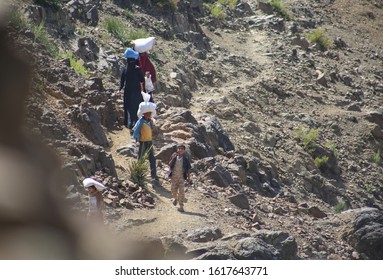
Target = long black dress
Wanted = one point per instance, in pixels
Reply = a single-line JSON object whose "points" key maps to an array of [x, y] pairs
{"points": [[131, 79]]}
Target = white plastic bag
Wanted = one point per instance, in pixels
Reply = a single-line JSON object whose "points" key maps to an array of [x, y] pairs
{"points": [[144, 44], [146, 106]]}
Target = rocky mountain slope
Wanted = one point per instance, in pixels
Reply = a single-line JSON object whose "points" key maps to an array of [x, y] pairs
{"points": [[285, 135]]}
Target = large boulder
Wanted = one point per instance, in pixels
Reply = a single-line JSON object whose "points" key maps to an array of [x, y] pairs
{"points": [[174, 247], [89, 122], [216, 135], [252, 248], [285, 244], [240, 200], [220, 252], [220, 176], [204, 234], [366, 233]]}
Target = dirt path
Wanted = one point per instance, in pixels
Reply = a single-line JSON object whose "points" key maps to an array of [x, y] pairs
{"points": [[201, 210], [253, 45], [164, 219]]}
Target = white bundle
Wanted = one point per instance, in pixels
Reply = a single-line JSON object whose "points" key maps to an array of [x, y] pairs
{"points": [[88, 182], [144, 44], [146, 106]]}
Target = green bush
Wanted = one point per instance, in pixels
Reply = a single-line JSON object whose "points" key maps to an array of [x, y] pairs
{"points": [[127, 14], [280, 9], [321, 162], [370, 188], [340, 207], [42, 37], [228, 3], [17, 20], [137, 34], [217, 11], [377, 157], [218, 8], [120, 31], [331, 146], [307, 139], [77, 65], [116, 28], [138, 170], [319, 37]]}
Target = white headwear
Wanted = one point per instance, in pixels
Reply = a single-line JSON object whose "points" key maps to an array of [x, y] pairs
{"points": [[88, 182], [146, 106]]}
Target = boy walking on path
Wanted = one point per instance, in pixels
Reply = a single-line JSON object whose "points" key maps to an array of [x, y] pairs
{"points": [[143, 133], [179, 172]]}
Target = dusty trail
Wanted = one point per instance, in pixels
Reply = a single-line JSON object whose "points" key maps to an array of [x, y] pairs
{"points": [[254, 46], [201, 209], [164, 219]]}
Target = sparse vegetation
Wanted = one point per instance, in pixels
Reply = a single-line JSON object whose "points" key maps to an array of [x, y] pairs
{"points": [[38, 86], [120, 31], [332, 147], [42, 37], [81, 31], [117, 28], [230, 4], [127, 14], [280, 8], [377, 157], [307, 139], [217, 11], [319, 37], [321, 162], [77, 65], [299, 133], [340, 207], [249, 83], [136, 34], [370, 188], [154, 56], [138, 169], [17, 20], [218, 8]]}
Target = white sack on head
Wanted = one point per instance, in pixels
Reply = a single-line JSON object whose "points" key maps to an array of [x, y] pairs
{"points": [[146, 106], [144, 44], [88, 182]]}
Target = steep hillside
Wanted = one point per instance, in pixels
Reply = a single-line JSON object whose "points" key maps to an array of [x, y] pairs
{"points": [[285, 134]]}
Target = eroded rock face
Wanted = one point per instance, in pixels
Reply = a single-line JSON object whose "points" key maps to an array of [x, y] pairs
{"points": [[204, 235], [255, 86], [254, 249]]}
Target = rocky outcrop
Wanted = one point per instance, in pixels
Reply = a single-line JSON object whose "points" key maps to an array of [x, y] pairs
{"points": [[204, 235], [365, 233]]}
